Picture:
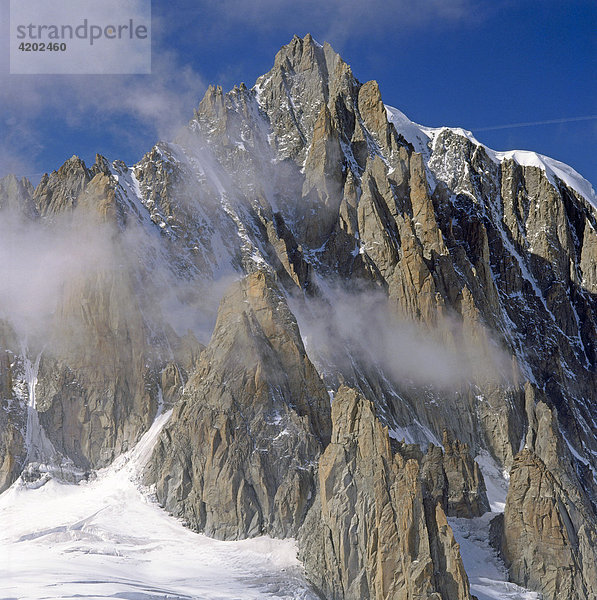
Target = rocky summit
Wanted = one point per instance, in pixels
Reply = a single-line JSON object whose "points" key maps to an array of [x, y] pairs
{"points": [[361, 331]]}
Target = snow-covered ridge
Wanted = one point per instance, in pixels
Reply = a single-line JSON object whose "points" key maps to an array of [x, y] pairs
{"points": [[423, 139]]}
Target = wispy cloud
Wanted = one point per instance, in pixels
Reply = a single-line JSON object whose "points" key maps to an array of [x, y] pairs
{"points": [[38, 260], [347, 12], [130, 109], [347, 327]]}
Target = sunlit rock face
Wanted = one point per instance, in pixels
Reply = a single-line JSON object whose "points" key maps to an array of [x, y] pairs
{"points": [[373, 532], [238, 456], [302, 243]]}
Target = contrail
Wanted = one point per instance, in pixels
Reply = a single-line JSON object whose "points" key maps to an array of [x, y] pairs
{"points": [[531, 123]]}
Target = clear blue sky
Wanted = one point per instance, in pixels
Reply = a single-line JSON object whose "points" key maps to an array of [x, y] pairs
{"points": [[466, 63]]}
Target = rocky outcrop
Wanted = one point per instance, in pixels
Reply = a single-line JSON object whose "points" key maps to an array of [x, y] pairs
{"points": [[549, 540], [98, 382], [12, 417], [96, 390], [453, 479], [17, 196], [237, 458], [60, 191], [101, 341], [12, 445], [549, 537], [371, 533], [466, 488]]}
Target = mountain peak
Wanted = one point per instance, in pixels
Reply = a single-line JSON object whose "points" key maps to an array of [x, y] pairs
{"points": [[446, 289], [304, 54]]}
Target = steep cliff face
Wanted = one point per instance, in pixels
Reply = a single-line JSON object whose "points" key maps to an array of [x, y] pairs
{"points": [[549, 538], [100, 345], [453, 478], [17, 196], [549, 534], [13, 419], [97, 387], [96, 392], [373, 533], [238, 456], [324, 196]]}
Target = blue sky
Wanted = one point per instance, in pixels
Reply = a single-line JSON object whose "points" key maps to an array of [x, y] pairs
{"points": [[465, 63]]}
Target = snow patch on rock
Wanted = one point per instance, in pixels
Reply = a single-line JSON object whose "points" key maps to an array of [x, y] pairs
{"points": [[422, 139]]}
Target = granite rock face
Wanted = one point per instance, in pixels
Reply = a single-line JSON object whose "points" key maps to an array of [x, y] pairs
{"points": [[94, 414], [454, 479], [312, 194], [17, 196], [238, 455], [97, 390], [13, 451], [549, 541], [372, 533], [100, 345], [549, 537]]}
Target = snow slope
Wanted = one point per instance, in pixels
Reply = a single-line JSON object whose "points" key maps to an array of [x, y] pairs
{"points": [[486, 571], [106, 538], [423, 138]]}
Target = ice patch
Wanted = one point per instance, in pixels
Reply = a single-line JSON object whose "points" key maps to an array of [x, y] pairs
{"points": [[496, 481], [416, 433]]}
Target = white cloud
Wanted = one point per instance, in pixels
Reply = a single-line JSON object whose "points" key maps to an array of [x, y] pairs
{"points": [[158, 104], [38, 260], [347, 326]]}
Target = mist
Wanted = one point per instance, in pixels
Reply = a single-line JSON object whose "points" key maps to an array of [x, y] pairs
{"points": [[39, 259], [47, 263], [347, 326]]}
